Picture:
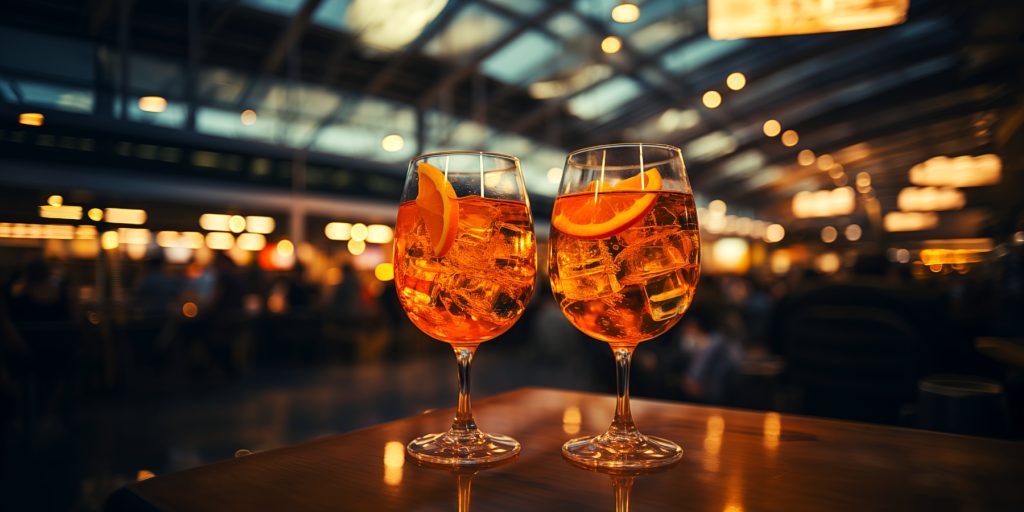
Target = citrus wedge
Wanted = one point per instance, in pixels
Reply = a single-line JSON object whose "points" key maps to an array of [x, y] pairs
{"points": [[601, 215], [438, 208]]}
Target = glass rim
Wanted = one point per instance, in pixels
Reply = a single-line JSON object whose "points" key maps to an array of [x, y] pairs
{"points": [[623, 145], [492, 154]]}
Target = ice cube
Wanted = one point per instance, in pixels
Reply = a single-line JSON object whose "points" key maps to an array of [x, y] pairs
{"points": [[585, 269], [469, 294], [669, 294]]}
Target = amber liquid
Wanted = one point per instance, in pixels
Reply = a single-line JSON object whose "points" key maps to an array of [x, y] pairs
{"points": [[482, 284], [634, 285]]}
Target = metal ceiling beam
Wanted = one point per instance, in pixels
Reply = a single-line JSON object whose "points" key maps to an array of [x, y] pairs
{"points": [[299, 23], [453, 78]]}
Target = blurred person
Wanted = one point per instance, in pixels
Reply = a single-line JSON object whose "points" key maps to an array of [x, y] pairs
{"points": [[714, 354], [157, 292]]}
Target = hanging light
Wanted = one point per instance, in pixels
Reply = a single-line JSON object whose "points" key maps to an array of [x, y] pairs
{"points": [[625, 12], [772, 128], [735, 19], [736, 81], [712, 99], [154, 104], [611, 44]]}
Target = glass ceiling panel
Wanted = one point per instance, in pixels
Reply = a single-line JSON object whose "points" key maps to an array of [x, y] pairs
{"points": [[283, 7], [566, 25], [605, 98], [331, 14], [472, 29], [699, 53], [43, 54], [390, 25], [527, 56], [58, 97], [152, 75]]}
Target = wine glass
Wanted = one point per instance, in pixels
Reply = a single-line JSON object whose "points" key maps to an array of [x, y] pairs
{"points": [[624, 262], [465, 260]]}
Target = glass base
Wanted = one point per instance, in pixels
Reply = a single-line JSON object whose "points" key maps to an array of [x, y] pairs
{"points": [[625, 452], [452, 448]]}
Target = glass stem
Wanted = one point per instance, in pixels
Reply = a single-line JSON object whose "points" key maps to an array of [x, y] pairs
{"points": [[622, 424], [465, 484], [622, 485], [464, 423]]}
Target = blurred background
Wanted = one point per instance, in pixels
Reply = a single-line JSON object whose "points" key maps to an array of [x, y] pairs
{"points": [[197, 196]]}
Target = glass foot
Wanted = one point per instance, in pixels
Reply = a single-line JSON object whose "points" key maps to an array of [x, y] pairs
{"points": [[633, 451], [452, 448]]}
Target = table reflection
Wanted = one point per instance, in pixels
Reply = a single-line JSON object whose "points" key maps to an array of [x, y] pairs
{"points": [[622, 479], [463, 475]]}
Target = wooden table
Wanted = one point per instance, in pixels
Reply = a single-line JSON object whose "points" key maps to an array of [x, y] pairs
{"points": [[733, 461]]}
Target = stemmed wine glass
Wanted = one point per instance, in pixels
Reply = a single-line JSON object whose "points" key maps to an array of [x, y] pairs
{"points": [[624, 262], [465, 260]]}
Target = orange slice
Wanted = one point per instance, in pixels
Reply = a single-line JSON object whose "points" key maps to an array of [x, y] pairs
{"points": [[438, 208], [602, 215]]}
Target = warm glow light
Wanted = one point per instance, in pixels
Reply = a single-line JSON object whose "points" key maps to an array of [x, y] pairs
{"points": [[772, 430], [236, 223], [379, 234], [394, 459], [60, 212], [143, 474], [910, 221], [952, 256], [735, 19], [251, 242], [155, 104], [359, 232], [829, 234], [790, 138], [962, 171], [930, 199], [109, 240], [259, 224], [824, 203], [805, 157], [713, 442], [285, 248], [717, 206], [220, 241], [863, 181], [55, 200], [774, 233], [736, 81], [392, 143], [555, 175], [384, 271], [825, 162], [356, 247], [780, 262], [712, 99], [125, 216], [134, 236], [572, 418], [771, 128], [828, 263], [95, 214], [31, 119], [189, 309], [853, 232], [730, 255], [625, 12], [338, 231], [248, 117], [215, 222], [611, 44]]}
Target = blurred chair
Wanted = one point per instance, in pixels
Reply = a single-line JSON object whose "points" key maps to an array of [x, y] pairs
{"points": [[856, 351], [962, 404]]}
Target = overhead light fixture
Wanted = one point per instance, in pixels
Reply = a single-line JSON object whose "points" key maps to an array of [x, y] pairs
{"points": [[392, 143], [251, 242], [611, 44], [379, 234], [55, 200], [774, 233], [736, 81], [154, 104], [805, 157], [910, 221], [390, 29], [625, 12], [930, 199], [31, 119], [219, 241], [60, 212], [829, 234], [248, 117], [712, 99], [962, 171], [95, 214], [824, 203], [338, 231], [259, 224], [826, 162], [215, 222], [863, 182], [790, 138], [853, 232], [125, 216], [236, 223], [735, 19], [771, 128]]}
